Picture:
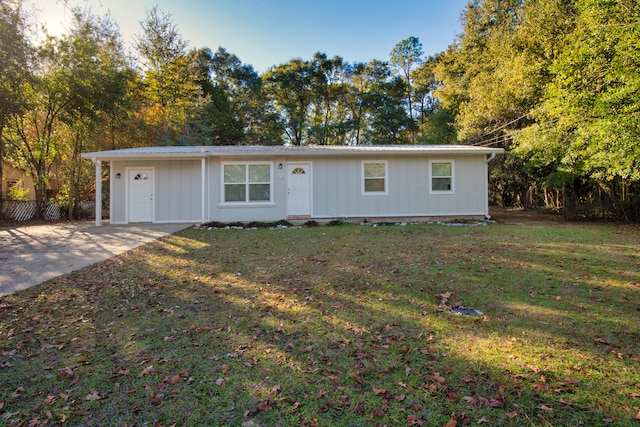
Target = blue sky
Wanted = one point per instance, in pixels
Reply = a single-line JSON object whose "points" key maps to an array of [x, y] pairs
{"points": [[265, 33]]}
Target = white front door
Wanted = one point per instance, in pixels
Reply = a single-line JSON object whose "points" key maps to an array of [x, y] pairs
{"points": [[141, 195], [299, 189]]}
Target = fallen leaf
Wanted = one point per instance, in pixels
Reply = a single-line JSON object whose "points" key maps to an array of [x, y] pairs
{"points": [[609, 419], [49, 400], [512, 414], [483, 420], [174, 379], [413, 420], [534, 368], [496, 403], [451, 423], [92, 396], [146, 371], [294, 407], [545, 408], [121, 371]]}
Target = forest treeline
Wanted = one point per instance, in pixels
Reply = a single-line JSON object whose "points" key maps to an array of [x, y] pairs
{"points": [[554, 82]]}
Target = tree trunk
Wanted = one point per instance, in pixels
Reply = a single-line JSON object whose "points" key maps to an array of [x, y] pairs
{"points": [[1, 169], [72, 176]]}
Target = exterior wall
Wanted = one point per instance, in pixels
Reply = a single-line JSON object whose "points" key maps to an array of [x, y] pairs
{"points": [[221, 212], [337, 189], [336, 186], [177, 194]]}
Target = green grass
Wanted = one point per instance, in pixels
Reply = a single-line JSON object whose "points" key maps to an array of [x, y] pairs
{"points": [[335, 326]]}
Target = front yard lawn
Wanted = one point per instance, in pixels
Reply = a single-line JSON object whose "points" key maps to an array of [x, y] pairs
{"points": [[336, 326]]}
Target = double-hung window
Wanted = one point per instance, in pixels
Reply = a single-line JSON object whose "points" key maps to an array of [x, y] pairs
{"points": [[247, 182], [374, 177], [441, 176]]}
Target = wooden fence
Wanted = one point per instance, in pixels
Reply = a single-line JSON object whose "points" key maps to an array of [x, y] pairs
{"points": [[53, 211]]}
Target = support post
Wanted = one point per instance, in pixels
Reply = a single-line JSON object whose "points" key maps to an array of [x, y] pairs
{"points": [[98, 191], [203, 195]]}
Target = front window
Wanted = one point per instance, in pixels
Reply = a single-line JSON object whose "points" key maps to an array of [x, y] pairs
{"points": [[247, 182], [441, 176], [374, 177]]}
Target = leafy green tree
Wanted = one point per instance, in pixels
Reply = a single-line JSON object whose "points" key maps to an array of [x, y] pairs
{"points": [[245, 93], [406, 56], [329, 116], [169, 83], [98, 75], [214, 120], [15, 51], [588, 125], [435, 122], [290, 87], [35, 140]]}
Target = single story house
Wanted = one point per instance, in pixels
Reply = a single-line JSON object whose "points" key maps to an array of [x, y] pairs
{"points": [[270, 183]]}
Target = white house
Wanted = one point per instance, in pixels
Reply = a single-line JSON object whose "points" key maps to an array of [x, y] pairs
{"points": [[270, 183]]}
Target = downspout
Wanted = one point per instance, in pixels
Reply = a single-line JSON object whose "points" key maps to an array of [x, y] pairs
{"points": [[486, 184], [98, 191]]}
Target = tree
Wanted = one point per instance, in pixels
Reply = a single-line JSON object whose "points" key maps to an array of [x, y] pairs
{"points": [[169, 84], [98, 75], [588, 124], [406, 55], [435, 121], [35, 139], [15, 51], [290, 87]]}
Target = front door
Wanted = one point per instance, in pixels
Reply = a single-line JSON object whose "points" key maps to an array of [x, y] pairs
{"points": [[141, 195], [299, 189]]}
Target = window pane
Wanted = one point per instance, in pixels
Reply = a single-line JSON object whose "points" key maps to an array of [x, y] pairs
{"points": [[234, 193], [374, 170], [371, 184], [441, 184], [259, 173], [441, 169], [234, 173], [259, 192]]}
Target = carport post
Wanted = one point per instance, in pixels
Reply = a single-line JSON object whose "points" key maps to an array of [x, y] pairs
{"points": [[98, 191]]}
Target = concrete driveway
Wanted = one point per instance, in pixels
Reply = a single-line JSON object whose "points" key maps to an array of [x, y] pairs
{"points": [[30, 255]]}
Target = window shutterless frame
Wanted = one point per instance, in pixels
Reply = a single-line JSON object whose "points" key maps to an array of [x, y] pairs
{"points": [[441, 176], [246, 183], [374, 175]]}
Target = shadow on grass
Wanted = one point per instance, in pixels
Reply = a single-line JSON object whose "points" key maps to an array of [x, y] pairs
{"points": [[332, 327]]}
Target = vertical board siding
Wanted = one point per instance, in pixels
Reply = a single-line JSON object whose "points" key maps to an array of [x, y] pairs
{"points": [[337, 189], [176, 195], [269, 212]]}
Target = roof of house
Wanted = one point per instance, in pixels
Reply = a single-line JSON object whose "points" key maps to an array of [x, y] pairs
{"points": [[285, 150]]}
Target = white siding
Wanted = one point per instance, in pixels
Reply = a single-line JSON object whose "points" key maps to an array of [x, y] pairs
{"points": [[221, 212], [337, 189], [177, 195]]}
